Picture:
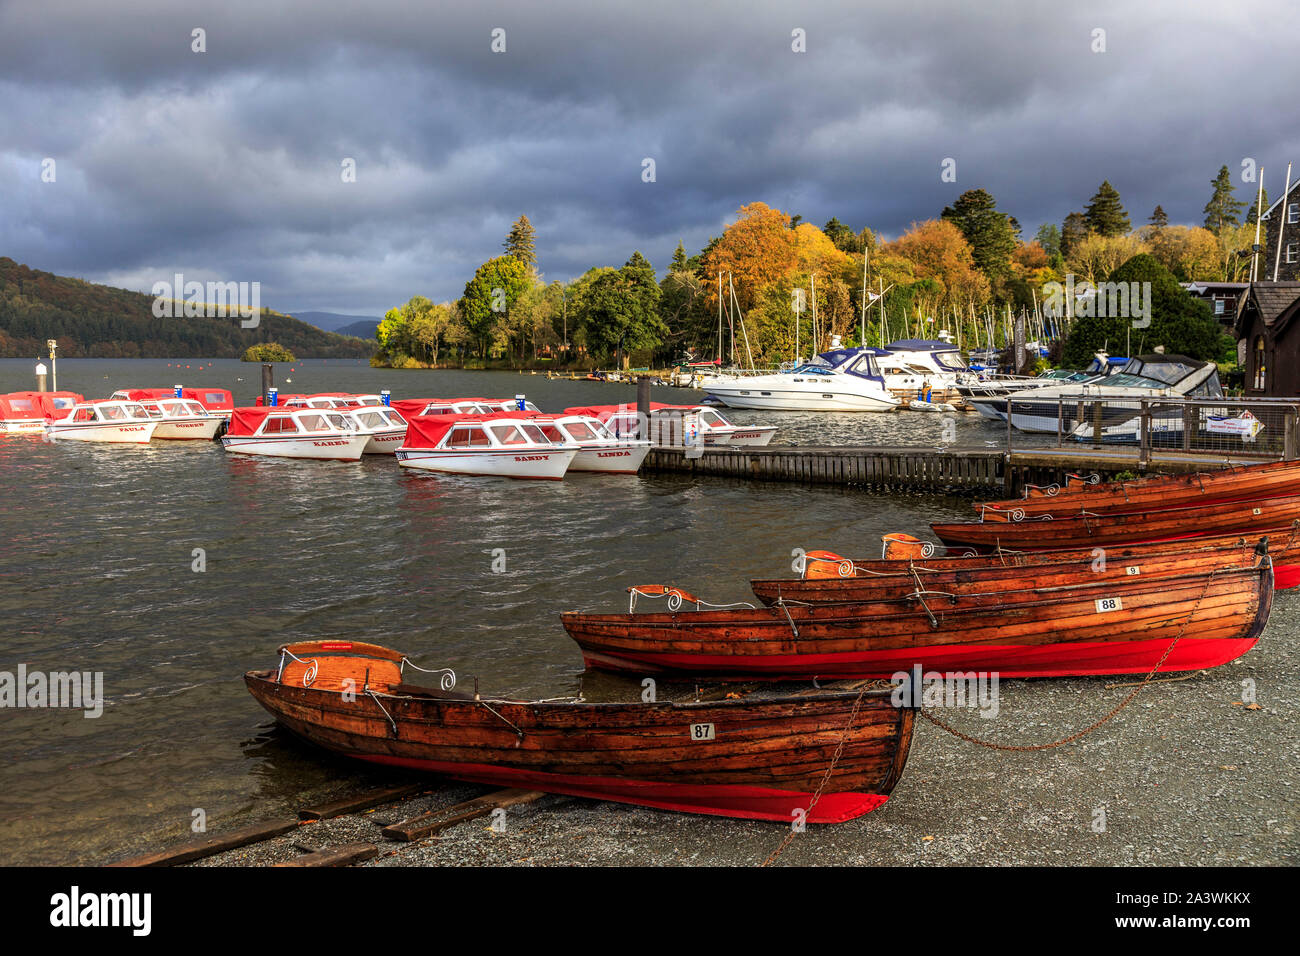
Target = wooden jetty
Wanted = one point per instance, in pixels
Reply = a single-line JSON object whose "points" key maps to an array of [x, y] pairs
{"points": [[948, 470]]}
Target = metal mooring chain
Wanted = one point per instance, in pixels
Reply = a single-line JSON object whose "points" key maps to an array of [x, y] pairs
{"points": [[1089, 729], [817, 794]]}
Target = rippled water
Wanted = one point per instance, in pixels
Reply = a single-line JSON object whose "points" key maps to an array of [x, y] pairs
{"points": [[96, 546]]}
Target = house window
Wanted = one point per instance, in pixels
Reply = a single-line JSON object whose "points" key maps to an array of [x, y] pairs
{"points": [[1293, 252], [1293, 213], [1260, 377]]}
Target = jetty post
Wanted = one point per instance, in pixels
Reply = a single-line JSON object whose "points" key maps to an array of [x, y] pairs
{"points": [[41, 371], [268, 381], [643, 405]]}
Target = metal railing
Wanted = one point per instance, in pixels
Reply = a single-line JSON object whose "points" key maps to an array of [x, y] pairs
{"points": [[1248, 428]]}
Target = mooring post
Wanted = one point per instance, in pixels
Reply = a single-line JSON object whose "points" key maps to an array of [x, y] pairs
{"points": [[268, 380], [1289, 435], [643, 404]]}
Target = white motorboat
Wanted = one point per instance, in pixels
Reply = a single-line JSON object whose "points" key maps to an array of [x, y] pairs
{"points": [[911, 364], [841, 380], [1112, 399], [182, 419], [506, 444], [386, 427], [27, 412], [104, 421], [294, 433]]}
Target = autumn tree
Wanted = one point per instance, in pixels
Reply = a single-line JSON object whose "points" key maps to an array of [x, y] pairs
{"points": [[1096, 256], [758, 248], [1105, 215], [938, 250]]}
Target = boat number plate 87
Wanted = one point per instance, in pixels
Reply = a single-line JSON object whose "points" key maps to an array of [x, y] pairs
{"points": [[1109, 604], [702, 732]]}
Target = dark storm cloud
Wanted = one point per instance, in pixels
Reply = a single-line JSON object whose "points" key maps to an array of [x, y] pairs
{"points": [[226, 164]]}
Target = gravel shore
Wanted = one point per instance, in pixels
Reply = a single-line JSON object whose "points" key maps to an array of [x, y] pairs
{"points": [[1188, 774]]}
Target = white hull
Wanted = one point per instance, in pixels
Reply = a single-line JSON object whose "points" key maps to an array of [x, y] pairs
{"points": [[125, 433], [30, 426], [615, 459], [550, 465], [828, 398], [185, 429], [751, 435], [385, 442], [326, 447]]}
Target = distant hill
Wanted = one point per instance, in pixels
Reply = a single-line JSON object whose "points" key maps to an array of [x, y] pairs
{"points": [[334, 321], [365, 329], [99, 321]]}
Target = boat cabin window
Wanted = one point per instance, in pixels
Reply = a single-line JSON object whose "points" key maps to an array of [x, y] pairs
{"points": [[62, 402], [710, 417], [114, 413], [467, 436], [535, 433], [509, 434], [370, 419], [578, 431], [84, 414], [279, 425], [340, 422], [866, 367], [812, 370], [553, 434], [394, 416], [950, 360], [21, 405]]}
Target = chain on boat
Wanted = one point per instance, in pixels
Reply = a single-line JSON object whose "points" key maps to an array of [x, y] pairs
{"points": [[817, 794], [1024, 748]]}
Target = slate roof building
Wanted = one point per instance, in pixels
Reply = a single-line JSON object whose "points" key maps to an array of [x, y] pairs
{"points": [[1268, 337]]}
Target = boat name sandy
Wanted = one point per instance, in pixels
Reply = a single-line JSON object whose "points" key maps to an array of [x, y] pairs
{"points": [[82, 690]]}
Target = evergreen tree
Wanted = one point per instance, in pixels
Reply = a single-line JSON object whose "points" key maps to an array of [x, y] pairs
{"points": [[1251, 212], [1049, 237], [1073, 230], [1223, 209], [679, 259], [1105, 215], [989, 232], [1158, 218], [521, 243], [1014, 223]]}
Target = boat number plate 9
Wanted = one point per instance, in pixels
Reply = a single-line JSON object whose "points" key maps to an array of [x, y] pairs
{"points": [[1133, 569], [1109, 604], [703, 732]]}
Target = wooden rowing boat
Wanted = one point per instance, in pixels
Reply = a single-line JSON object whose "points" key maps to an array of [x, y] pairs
{"points": [[759, 758], [1122, 527], [885, 580], [1098, 627], [1249, 482]]}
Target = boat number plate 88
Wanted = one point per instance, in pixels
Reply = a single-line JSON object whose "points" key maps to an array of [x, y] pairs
{"points": [[702, 732], [1109, 604]]}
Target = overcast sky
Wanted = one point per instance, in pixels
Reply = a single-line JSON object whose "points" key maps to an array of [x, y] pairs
{"points": [[227, 164]]}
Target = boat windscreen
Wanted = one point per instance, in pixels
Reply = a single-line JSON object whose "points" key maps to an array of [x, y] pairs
{"points": [[950, 360], [1166, 373], [812, 370]]}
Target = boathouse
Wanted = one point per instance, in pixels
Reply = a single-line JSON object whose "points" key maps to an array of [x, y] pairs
{"points": [[1268, 338]]}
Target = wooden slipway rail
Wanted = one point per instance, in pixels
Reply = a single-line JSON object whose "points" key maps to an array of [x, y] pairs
{"points": [[421, 826], [949, 470]]}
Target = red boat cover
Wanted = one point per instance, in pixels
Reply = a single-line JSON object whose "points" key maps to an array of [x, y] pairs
{"points": [[629, 408], [213, 399], [17, 406], [245, 421], [411, 407], [425, 431]]}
